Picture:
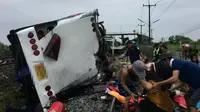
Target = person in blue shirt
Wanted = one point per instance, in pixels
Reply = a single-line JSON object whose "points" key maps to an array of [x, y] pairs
{"points": [[132, 51], [187, 72]]}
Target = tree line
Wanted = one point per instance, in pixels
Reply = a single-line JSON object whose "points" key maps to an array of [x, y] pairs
{"points": [[5, 51], [177, 39]]}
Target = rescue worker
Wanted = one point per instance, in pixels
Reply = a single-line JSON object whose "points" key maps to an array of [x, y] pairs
{"points": [[155, 51], [132, 52], [159, 49], [187, 72], [124, 77]]}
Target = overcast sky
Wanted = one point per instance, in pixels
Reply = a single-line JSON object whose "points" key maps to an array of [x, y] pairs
{"points": [[119, 15]]}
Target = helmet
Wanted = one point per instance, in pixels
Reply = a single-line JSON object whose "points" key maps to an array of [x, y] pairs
{"points": [[165, 55]]}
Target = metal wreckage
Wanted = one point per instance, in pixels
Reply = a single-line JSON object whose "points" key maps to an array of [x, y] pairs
{"points": [[57, 59]]}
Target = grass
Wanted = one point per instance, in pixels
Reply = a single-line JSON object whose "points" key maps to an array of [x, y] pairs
{"points": [[7, 98]]}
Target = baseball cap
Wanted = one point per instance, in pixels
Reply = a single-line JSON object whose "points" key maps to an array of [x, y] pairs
{"points": [[139, 68]]}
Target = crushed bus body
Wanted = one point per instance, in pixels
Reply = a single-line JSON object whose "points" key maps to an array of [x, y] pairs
{"points": [[59, 54]]}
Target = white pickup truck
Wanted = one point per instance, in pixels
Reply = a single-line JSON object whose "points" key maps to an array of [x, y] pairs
{"points": [[59, 54]]}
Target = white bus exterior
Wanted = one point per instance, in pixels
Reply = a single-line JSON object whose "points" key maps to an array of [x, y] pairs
{"points": [[63, 56]]}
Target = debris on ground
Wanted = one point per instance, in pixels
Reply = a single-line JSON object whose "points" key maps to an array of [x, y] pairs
{"points": [[87, 103]]}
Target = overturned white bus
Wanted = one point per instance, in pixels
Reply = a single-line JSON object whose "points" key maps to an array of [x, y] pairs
{"points": [[59, 54]]}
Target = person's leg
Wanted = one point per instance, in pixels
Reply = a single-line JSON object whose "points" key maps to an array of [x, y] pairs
{"points": [[187, 97], [194, 100], [192, 109], [126, 105]]}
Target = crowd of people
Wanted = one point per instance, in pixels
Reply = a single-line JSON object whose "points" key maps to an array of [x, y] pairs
{"points": [[154, 78]]}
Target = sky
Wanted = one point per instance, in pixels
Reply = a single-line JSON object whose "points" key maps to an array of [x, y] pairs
{"points": [[118, 15]]}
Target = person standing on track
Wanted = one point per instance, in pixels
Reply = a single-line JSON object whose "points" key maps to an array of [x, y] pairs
{"points": [[187, 72], [132, 52]]}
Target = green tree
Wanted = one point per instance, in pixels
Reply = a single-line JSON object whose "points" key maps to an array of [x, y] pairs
{"points": [[179, 38], [4, 51], [172, 40]]}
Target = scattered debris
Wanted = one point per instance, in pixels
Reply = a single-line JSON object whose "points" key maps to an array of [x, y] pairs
{"points": [[87, 103]]}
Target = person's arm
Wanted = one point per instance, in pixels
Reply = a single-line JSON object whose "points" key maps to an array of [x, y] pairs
{"points": [[122, 56], [125, 54], [177, 86], [145, 84], [141, 56], [123, 81], [171, 80], [154, 67]]}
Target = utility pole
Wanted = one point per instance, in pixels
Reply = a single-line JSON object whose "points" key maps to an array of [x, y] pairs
{"points": [[134, 31], [139, 37], [152, 33], [162, 39], [149, 6], [141, 25]]}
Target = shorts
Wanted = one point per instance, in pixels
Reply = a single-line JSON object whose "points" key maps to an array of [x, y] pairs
{"points": [[195, 98]]}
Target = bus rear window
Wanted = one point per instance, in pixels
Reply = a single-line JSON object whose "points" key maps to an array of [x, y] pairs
{"points": [[53, 48]]}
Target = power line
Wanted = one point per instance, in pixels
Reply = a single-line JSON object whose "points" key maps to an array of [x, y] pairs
{"points": [[149, 8], [156, 4], [141, 13], [191, 30], [168, 7], [145, 2], [142, 9], [152, 10], [158, 1]]}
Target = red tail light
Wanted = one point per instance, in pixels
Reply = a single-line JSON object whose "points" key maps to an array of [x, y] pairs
{"points": [[36, 52], [32, 41], [53, 48], [30, 35], [48, 88], [34, 47], [49, 93]]}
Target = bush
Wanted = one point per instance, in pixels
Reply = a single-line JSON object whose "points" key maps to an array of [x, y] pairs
{"points": [[4, 51]]}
